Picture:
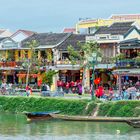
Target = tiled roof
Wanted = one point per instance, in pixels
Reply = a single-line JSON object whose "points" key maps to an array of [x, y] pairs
{"points": [[118, 28], [126, 17], [69, 30], [89, 21], [2, 30], [46, 38], [73, 40], [3, 38], [26, 32], [130, 43]]}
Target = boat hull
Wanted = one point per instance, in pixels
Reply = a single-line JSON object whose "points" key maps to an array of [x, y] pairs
{"points": [[135, 124], [40, 115], [95, 119]]}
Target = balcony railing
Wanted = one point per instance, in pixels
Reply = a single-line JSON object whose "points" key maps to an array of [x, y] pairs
{"points": [[65, 62], [4, 64], [8, 64], [106, 60], [127, 63], [68, 62]]}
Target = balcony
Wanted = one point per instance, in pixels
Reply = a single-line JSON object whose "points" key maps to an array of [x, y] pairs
{"points": [[106, 60], [127, 63], [66, 62], [11, 64]]}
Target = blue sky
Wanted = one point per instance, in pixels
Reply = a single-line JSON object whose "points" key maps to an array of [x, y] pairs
{"points": [[54, 15]]}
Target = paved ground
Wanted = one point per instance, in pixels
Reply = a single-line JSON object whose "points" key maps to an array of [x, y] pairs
{"points": [[66, 96]]}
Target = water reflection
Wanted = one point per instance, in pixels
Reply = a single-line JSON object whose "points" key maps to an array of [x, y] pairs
{"points": [[16, 127]]}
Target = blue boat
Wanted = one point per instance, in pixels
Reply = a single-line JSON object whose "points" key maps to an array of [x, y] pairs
{"points": [[40, 115]]}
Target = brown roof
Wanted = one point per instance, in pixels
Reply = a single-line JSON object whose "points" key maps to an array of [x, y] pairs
{"points": [[2, 30], [126, 17], [26, 32], [69, 30]]}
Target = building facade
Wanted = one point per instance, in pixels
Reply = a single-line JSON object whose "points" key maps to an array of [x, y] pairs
{"points": [[89, 26]]}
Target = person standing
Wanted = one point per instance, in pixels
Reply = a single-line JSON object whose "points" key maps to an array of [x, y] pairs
{"points": [[3, 87], [28, 90], [10, 88], [67, 87], [48, 90], [79, 89], [44, 90]]}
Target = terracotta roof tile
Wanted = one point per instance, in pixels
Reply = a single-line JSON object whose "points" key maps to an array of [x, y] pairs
{"points": [[2, 30], [126, 17], [26, 32], [69, 30]]}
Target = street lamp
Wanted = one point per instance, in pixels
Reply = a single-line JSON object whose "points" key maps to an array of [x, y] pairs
{"points": [[93, 59]]}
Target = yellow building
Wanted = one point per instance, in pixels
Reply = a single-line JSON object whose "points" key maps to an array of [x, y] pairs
{"points": [[89, 25]]}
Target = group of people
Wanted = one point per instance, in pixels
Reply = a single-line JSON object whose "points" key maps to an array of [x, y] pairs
{"points": [[130, 93], [45, 90], [70, 87], [10, 89], [6, 88]]}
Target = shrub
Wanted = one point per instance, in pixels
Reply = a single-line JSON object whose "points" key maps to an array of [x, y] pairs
{"points": [[120, 109], [32, 104]]}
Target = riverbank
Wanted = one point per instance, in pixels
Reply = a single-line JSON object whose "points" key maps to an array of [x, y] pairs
{"points": [[70, 106]]}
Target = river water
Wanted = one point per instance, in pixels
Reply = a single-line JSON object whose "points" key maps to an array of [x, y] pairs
{"points": [[16, 127]]}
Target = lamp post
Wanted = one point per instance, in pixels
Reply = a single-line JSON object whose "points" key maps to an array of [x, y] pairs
{"points": [[93, 60]]}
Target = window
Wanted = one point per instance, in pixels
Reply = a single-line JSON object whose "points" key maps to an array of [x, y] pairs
{"points": [[65, 56], [26, 54], [103, 37], [19, 53], [114, 37], [43, 54]]}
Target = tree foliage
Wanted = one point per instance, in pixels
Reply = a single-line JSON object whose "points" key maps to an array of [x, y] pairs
{"points": [[47, 77], [85, 52], [118, 57], [31, 63], [137, 59]]}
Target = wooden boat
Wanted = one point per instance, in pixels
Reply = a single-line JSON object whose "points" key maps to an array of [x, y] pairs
{"points": [[135, 124], [40, 115], [95, 119]]}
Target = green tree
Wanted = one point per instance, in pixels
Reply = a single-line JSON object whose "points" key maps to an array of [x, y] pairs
{"points": [[32, 63], [48, 77], [137, 59], [83, 55], [118, 57]]}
